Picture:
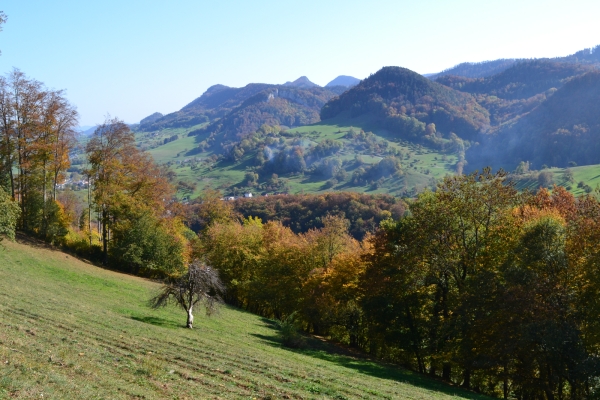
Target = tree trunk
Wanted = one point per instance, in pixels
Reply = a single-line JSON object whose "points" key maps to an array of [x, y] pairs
{"points": [[12, 181], [190, 318], [90, 210], [505, 383], [467, 379], [446, 372], [105, 235], [44, 209]]}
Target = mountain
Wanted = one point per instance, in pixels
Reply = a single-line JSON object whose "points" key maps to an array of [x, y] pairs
{"points": [[344, 80], [586, 56], [522, 80], [302, 82], [590, 56], [87, 130], [476, 70], [404, 102], [151, 118], [275, 106], [564, 128], [217, 101]]}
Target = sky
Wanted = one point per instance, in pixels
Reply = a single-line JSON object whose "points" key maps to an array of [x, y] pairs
{"points": [[131, 58]]}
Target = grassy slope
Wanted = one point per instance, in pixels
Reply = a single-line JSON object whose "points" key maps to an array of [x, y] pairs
{"points": [[72, 330], [589, 174]]}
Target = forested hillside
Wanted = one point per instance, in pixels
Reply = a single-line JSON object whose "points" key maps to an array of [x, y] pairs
{"points": [[304, 212], [214, 103], [522, 80], [476, 70], [590, 56], [405, 102], [561, 130], [221, 101], [276, 106]]}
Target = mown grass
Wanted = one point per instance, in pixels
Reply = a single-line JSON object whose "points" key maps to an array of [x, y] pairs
{"points": [[588, 174], [72, 330]]}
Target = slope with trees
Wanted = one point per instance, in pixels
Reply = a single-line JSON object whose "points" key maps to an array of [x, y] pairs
{"points": [[590, 56], [406, 103], [522, 80], [562, 129], [479, 285], [219, 101], [283, 106]]}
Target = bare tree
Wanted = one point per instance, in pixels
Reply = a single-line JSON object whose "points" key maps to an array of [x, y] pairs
{"points": [[199, 284], [3, 19]]}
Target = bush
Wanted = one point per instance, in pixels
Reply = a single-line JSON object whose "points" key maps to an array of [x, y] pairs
{"points": [[546, 178], [288, 330]]}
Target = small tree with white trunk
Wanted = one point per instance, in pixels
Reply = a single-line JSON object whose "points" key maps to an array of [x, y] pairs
{"points": [[200, 284]]}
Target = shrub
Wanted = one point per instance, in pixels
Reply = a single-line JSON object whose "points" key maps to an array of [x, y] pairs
{"points": [[288, 330]]}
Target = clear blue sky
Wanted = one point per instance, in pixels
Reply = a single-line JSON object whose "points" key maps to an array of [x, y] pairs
{"points": [[131, 58]]}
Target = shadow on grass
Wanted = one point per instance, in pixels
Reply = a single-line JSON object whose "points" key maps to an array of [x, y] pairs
{"points": [[359, 362], [271, 323], [155, 321]]}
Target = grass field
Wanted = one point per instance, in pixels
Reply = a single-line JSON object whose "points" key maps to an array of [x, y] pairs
{"points": [[589, 174], [72, 330]]}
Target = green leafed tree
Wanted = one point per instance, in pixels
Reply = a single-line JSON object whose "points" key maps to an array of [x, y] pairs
{"points": [[9, 215]]}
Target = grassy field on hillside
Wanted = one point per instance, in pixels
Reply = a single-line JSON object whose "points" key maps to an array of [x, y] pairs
{"points": [[588, 174], [72, 330]]}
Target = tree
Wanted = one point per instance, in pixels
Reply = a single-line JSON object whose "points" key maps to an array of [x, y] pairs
{"points": [[545, 178], [9, 215], [199, 284], [3, 19], [568, 175], [426, 265], [125, 180], [36, 136]]}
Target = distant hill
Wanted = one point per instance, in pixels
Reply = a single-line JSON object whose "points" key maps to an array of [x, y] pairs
{"points": [[404, 102], [585, 56], [563, 128], [302, 82], [151, 118], [522, 80], [275, 106], [86, 130], [344, 80], [476, 70], [217, 101], [483, 69]]}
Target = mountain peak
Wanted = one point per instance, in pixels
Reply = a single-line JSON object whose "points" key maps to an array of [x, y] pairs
{"points": [[344, 80], [151, 118], [302, 82]]}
